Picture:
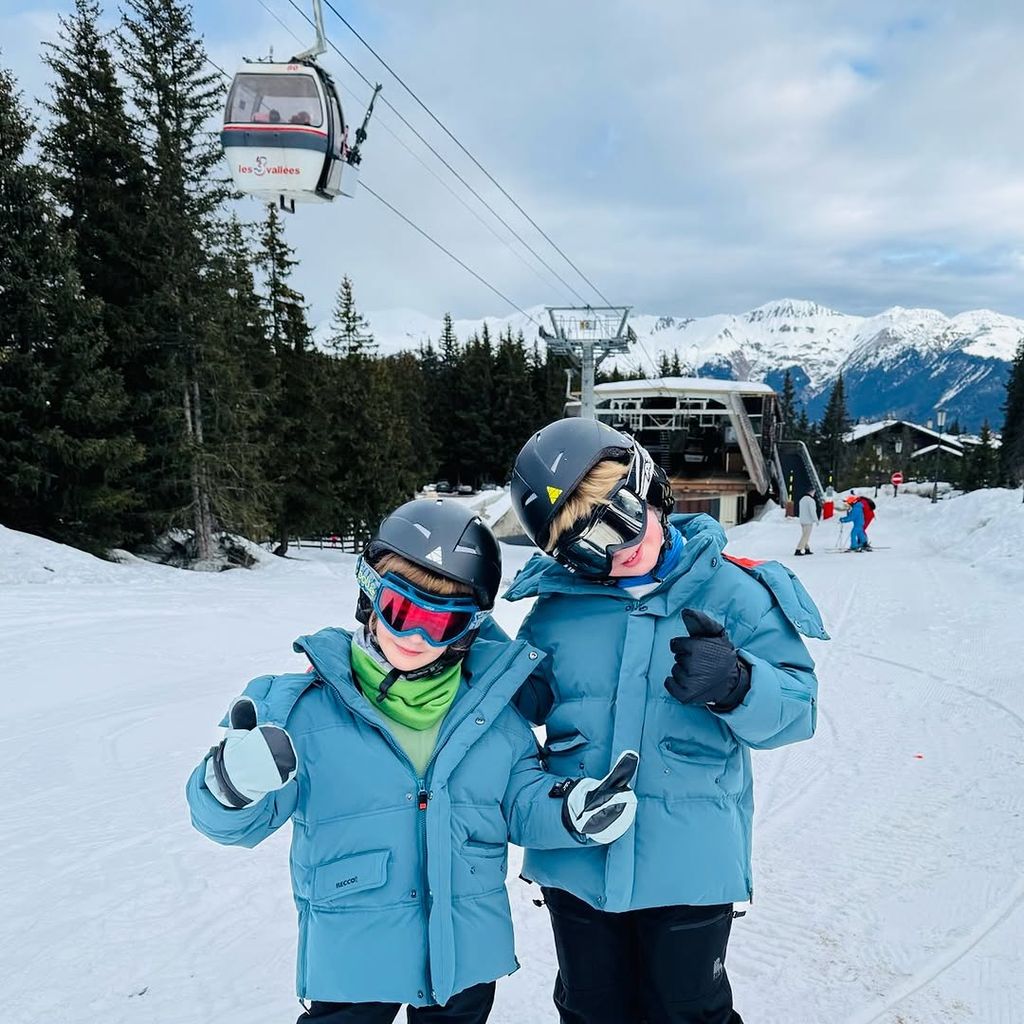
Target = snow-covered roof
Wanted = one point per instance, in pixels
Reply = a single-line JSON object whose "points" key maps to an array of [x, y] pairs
{"points": [[941, 447], [860, 430], [682, 385], [864, 429]]}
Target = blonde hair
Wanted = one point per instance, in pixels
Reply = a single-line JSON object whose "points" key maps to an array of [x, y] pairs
{"points": [[590, 492], [420, 577]]}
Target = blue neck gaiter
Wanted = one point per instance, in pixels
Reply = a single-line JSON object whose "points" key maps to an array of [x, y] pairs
{"points": [[668, 561]]}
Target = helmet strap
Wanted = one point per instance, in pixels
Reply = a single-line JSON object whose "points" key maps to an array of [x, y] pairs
{"points": [[454, 654]]}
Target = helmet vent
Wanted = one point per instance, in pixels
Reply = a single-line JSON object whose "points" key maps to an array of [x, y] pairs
{"points": [[464, 550], [422, 529], [558, 459]]}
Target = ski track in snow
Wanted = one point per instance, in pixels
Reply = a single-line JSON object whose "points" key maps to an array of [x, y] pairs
{"points": [[888, 886]]}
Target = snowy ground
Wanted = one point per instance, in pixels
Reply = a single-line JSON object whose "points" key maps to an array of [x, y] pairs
{"points": [[889, 850]]}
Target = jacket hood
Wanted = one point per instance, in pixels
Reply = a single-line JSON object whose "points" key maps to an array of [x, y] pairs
{"points": [[542, 574]]}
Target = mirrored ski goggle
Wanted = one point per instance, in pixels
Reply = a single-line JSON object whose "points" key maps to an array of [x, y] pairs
{"points": [[405, 610], [589, 545]]}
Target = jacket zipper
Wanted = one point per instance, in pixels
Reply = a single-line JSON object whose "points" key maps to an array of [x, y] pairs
{"points": [[303, 946], [423, 794]]}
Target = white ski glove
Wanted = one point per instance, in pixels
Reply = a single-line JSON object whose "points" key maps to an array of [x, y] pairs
{"points": [[249, 762], [602, 809]]}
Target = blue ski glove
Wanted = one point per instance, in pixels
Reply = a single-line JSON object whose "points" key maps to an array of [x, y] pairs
{"points": [[601, 809], [250, 761], [707, 669]]}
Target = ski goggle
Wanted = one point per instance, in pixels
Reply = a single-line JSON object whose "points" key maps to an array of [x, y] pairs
{"points": [[405, 610], [589, 545]]}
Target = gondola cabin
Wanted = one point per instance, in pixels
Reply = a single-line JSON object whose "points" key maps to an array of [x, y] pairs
{"points": [[284, 134]]}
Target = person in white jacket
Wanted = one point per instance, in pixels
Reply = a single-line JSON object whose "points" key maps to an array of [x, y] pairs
{"points": [[808, 520]]}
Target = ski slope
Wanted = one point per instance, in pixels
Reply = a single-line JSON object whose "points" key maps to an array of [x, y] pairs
{"points": [[889, 886]]}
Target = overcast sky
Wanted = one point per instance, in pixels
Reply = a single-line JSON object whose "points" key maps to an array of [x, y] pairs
{"points": [[690, 157]]}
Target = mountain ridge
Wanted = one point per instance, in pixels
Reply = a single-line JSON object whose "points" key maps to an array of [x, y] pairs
{"points": [[901, 360]]}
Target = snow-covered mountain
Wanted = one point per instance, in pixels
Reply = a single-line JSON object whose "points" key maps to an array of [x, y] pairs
{"points": [[902, 361]]}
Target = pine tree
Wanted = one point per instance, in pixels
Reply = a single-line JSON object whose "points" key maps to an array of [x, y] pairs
{"points": [[981, 462], [803, 426], [97, 169], [97, 176], [473, 410], [1011, 454], [176, 97], [834, 425], [63, 460], [300, 431], [350, 332], [370, 440], [442, 398], [514, 408], [677, 366], [547, 373], [239, 376], [664, 365], [787, 406]]}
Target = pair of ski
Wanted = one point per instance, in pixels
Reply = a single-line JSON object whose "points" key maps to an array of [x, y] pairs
{"points": [[853, 551]]}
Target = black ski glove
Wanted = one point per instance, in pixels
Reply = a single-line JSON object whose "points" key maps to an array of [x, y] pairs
{"points": [[707, 669]]}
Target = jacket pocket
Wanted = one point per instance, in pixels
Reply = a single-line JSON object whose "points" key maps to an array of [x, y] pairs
{"points": [[565, 754], [694, 754], [565, 743], [695, 772], [476, 848], [339, 879]]}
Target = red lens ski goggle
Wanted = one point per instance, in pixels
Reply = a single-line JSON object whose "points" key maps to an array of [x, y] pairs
{"points": [[405, 610]]}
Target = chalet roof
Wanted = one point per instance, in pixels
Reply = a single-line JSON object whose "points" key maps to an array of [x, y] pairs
{"points": [[680, 386], [862, 430]]}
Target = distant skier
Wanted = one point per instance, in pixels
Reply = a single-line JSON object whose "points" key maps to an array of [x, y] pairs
{"points": [[407, 772], [809, 516], [855, 515]]}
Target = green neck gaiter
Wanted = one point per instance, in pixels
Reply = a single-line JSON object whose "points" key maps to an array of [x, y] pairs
{"points": [[416, 703]]}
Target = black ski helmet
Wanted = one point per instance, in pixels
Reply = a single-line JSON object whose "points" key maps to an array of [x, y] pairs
{"points": [[552, 463], [443, 537]]}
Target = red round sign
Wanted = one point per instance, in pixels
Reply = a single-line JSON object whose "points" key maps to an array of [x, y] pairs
{"points": [[897, 478]]}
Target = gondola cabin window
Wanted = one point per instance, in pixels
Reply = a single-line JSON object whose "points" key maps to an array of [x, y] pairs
{"points": [[275, 99]]}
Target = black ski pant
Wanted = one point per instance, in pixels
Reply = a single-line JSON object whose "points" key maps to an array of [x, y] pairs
{"points": [[665, 965], [471, 1006]]}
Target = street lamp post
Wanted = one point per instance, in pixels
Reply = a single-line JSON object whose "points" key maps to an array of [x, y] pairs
{"points": [[940, 419], [898, 445]]}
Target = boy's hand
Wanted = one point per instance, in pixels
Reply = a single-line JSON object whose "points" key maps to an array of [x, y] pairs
{"points": [[707, 669], [249, 762], [601, 809]]}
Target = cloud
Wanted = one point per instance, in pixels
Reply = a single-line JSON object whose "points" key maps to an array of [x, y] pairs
{"points": [[690, 158]]}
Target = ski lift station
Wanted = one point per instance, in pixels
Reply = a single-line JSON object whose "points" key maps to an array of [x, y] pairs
{"points": [[718, 440]]}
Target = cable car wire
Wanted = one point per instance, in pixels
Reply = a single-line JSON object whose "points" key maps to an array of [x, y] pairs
{"points": [[481, 167], [522, 241], [429, 237], [423, 163], [448, 253], [217, 66]]}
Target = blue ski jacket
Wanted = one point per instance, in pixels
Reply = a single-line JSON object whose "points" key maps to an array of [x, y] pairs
{"points": [[855, 516], [399, 880], [601, 689]]}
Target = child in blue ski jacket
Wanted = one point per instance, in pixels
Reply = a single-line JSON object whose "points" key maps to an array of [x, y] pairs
{"points": [[855, 515], [660, 642], [405, 772]]}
